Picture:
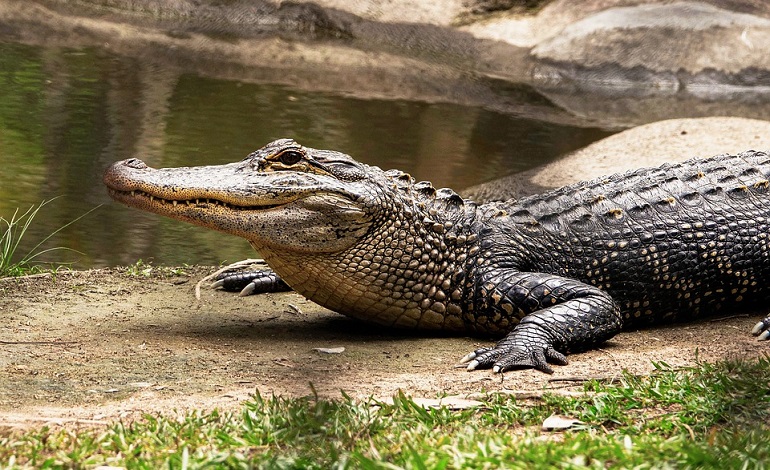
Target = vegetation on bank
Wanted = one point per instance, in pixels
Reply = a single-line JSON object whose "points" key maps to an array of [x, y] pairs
{"points": [[13, 231], [709, 416]]}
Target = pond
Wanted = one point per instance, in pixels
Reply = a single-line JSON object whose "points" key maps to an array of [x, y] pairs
{"points": [[67, 113]]}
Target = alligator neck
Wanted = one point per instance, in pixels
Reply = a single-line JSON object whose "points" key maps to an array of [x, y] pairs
{"points": [[415, 259]]}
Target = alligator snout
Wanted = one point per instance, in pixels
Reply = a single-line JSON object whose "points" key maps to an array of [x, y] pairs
{"points": [[117, 176]]}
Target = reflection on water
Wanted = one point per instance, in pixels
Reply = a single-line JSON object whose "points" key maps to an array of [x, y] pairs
{"points": [[66, 114]]}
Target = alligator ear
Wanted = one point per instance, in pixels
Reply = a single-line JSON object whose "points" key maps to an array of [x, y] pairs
{"points": [[345, 171], [339, 165]]}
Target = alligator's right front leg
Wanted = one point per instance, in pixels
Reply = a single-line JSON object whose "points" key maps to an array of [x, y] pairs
{"points": [[561, 315], [251, 282]]}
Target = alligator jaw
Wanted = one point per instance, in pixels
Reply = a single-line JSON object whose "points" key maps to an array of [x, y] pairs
{"points": [[211, 196], [289, 209], [148, 201]]}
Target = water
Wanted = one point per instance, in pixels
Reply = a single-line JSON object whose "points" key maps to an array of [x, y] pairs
{"points": [[66, 114]]}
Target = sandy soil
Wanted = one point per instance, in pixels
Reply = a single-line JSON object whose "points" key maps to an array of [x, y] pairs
{"points": [[97, 345]]}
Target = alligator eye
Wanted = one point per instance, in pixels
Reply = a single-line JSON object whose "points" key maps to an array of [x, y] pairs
{"points": [[290, 157]]}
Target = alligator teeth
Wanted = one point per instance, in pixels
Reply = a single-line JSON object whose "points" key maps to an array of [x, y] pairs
{"points": [[188, 202]]}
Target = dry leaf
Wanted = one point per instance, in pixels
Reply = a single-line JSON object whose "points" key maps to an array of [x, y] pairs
{"points": [[338, 350], [558, 423]]}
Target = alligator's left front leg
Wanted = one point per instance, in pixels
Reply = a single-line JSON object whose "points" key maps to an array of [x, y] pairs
{"points": [[248, 282], [561, 315]]}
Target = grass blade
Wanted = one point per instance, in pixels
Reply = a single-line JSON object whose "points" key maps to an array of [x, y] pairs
{"points": [[15, 229]]}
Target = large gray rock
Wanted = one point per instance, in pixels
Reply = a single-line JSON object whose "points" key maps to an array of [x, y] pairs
{"points": [[650, 145], [706, 48], [610, 63], [691, 36], [683, 44]]}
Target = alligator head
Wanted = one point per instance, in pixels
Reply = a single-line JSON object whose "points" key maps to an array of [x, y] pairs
{"points": [[283, 196]]}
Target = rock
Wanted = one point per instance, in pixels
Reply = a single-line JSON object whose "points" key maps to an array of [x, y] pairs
{"points": [[706, 48], [528, 30], [687, 44], [644, 146], [632, 56], [654, 144], [693, 35], [439, 13]]}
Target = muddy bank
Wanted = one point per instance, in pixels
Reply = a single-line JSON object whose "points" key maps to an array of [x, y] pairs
{"points": [[101, 344]]}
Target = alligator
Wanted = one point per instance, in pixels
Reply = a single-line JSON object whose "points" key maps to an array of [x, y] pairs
{"points": [[550, 274]]}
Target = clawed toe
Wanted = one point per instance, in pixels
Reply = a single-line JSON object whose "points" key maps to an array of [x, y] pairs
{"points": [[468, 357], [248, 290], [762, 329], [501, 359], [482, 358], [521, 359]]}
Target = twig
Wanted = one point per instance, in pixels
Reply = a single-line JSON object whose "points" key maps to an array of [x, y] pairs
{"points": [[527, 394], [740, 315], [11, 420], [26, 277], [39, 342], [598, 378], [608, 354]]}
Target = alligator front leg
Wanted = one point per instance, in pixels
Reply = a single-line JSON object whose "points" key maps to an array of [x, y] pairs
{"points": [[251, 282], [561, 315]]}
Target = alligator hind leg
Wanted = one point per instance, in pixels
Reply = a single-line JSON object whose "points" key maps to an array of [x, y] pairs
{"points": [[762, 329], [251, 282]]}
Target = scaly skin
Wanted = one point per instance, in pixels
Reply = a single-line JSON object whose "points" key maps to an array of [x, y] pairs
{"points": [[555, 273]]}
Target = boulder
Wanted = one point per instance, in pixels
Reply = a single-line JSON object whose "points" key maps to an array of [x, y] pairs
{"points": [[691, 45], [649, 145]]}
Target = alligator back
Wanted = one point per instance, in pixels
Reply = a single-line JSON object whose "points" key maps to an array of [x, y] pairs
{"points": [[667, 243]]}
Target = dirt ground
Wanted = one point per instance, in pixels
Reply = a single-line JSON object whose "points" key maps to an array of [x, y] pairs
{"points": [[92, 346]]}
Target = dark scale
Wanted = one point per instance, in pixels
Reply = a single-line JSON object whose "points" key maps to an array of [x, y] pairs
{"points": [[551, 274]]}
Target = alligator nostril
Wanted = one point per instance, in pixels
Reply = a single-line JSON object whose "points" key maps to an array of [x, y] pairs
{"points": [[135, 163]]}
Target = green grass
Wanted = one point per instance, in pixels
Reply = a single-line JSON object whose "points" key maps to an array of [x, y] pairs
{"points": [[13, 230], [710, 416], [146, 269]]}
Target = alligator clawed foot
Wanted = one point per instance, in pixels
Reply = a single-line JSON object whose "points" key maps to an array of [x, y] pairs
{"points": [[244, 278], [251, 282], [762, 329], [502, 358]]}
